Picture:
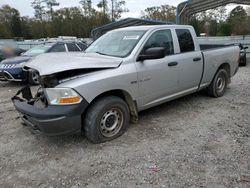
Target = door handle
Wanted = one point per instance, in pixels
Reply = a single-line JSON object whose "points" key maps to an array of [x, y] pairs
{"points": [[172, 64], [197, 59]]}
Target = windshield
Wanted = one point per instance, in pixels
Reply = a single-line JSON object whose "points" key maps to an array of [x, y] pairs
{"points": [[37, 50], [116, 43]]}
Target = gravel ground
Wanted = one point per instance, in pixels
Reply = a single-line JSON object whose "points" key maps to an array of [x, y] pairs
{"points": [[195, 141]]}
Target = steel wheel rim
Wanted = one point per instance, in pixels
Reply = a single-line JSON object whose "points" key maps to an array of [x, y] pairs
{"points": [[111, 122], [35, 77], [221, 82]]}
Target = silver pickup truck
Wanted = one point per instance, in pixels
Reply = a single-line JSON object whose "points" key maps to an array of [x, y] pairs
{"points": [[125, 71]]}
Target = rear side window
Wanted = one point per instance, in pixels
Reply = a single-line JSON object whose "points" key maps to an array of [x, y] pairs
{"points": [[162, 38], [58, 48], [185, 40], [73, 48]]}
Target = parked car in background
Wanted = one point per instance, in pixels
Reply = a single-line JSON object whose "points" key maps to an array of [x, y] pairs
{"points": [[12, 69], [123, 72], [9, 48], [2, 57]]}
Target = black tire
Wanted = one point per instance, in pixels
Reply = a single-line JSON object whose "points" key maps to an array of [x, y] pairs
{"points": [[244, 62], [219, 84], [33, 78], [106, 119]]}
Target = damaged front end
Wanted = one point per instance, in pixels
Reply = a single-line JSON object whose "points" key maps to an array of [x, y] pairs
{"points": [[38, 113], [51, 81], [54, 110]]}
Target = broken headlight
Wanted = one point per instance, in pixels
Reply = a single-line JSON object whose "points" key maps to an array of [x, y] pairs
{"points": [[62, 96]]}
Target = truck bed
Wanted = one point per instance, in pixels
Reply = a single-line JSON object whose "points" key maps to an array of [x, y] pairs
{"points": [[213, 56], [204, 47]]}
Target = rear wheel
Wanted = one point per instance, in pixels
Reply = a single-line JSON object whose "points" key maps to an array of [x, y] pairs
{"points": [[219, 84], [244, 61], [106, 119]]}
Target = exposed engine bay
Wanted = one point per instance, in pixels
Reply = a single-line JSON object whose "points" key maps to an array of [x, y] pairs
{"points": [[51, 81]]}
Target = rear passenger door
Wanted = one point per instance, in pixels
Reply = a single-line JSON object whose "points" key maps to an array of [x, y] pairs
{"points": [[190, 61]]}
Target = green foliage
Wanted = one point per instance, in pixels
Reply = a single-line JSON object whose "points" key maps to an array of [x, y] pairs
{"points": [[47, 22], [117, 8], [103, 4], [10, 22], [238, 19], [39, 9], [79, 21], [217, 22], [164, 12], [225, 29], [87, 7], [196, 24]]}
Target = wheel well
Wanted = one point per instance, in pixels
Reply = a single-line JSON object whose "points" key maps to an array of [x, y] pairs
{"points": [[226, 66], [127, 98]]}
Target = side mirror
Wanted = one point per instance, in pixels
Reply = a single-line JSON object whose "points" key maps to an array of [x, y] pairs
{"points": [[152, 53]]}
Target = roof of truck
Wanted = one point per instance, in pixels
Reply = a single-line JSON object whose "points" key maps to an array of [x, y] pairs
{"points": [[151, 27], [99, 31]]}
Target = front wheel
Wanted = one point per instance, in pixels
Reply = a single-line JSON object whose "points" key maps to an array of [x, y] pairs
{"points": [[33, 77], [219, 84], [106, 119]]}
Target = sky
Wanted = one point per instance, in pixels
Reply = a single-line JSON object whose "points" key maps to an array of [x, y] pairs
{"points": [[135, 6]]}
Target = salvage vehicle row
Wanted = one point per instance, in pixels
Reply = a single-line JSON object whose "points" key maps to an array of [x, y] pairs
{"points": [[11, 69]]}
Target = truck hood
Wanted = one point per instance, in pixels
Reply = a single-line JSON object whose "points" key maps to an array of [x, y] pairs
{"points": [[51, 63]]}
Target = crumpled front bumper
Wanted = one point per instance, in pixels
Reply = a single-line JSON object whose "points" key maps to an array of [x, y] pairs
{"points": [[50, 120]]}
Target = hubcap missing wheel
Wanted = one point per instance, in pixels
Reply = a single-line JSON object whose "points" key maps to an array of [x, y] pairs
{"points": [[111, 122], [221, 82]]}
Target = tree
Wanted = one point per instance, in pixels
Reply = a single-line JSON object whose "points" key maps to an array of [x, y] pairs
{"points": [[238, 16], [39, 9], [210, 21], [225, 29], [50, 5], [221, 14], [64, 21], [164, 12], [248, 11], [103, 4], [117, 8], [87, 7], [10, 21], [196, 24]]}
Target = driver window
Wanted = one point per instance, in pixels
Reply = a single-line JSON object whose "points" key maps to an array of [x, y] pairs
{"points": [[162, 38]]}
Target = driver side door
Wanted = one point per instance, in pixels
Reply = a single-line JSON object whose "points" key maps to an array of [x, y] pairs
{"points": [[158, 78]]}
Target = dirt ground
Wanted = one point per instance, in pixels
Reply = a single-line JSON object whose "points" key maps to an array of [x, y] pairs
{"points": [[195, 141]]}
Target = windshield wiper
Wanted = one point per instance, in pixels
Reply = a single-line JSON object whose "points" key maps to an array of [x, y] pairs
{"points": [[107, 54], [102, 53]]}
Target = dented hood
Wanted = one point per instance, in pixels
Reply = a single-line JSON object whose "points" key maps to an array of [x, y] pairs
{"points": [[51, 63]]}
